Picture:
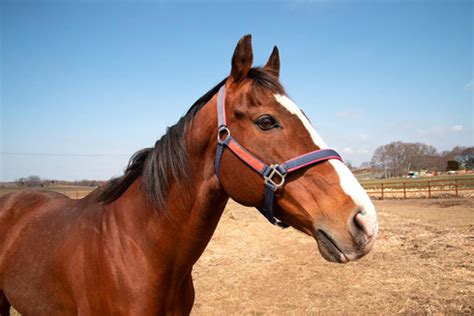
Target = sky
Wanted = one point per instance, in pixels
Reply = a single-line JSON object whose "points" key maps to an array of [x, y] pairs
{"points": [[85, 84]]}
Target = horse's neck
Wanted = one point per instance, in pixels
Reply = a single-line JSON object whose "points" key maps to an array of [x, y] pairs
{"points": [[203, 202], [185, 228]]}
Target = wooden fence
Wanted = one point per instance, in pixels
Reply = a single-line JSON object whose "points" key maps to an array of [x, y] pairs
{"points": [[421, 188]]}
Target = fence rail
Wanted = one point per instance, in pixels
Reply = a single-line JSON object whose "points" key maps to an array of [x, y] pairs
{"points": [[420, 188]]}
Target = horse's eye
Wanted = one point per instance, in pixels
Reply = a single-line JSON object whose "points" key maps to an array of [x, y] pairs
{"points": [[266, 122]]}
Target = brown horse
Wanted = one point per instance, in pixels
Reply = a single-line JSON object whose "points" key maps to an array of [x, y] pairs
{"points": [[129, 247]]}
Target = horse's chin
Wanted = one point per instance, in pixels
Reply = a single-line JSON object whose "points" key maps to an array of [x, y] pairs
{"points": [[328, 248], [336, 252]]}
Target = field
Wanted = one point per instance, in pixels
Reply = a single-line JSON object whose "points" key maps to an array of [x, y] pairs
{"points": [[73, 191], [422, 263]]}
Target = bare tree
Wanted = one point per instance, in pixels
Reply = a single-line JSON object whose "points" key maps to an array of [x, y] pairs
{"points": [[349, 165], [31, 181], [398, 158], [381, 160]]}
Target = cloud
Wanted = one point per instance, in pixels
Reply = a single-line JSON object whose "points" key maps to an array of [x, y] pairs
{"points": [[348, 150], [457, 128], [469, 86], [357, 151], [348, 114]]}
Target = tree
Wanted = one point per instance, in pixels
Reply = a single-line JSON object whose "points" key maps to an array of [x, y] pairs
{"points": [[398, 158], [349, 165], [31, 181], [452, 165], [466, 158]]}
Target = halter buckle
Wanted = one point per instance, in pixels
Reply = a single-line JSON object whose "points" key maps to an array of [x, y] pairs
{"points": [[280, 177]]}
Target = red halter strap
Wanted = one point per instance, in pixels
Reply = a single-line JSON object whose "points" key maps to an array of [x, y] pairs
{"points": [[273, 175]]}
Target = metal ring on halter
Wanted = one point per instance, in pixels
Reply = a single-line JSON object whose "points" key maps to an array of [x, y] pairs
{"points": [[275, 172], [221, 131]]}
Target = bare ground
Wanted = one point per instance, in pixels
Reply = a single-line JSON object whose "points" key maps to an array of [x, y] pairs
{"points": [[422, 263]]}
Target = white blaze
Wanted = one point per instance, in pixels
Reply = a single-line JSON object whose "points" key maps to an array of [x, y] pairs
{"points": [[349, 183]]}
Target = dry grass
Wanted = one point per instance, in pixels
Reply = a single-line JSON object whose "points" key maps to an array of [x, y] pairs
{"points": [[421, 264]]}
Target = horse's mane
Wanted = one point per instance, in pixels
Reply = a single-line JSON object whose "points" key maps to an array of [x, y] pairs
{"points": [[169, 157]]}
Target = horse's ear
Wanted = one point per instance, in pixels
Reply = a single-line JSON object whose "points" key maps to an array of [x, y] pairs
{"points": [[273, 63], [242, 59]]}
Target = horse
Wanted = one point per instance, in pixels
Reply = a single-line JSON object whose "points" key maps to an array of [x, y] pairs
{"points": [[130, 245]]}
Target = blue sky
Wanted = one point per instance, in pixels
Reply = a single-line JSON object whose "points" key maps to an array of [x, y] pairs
{"points": [[84, 84]]}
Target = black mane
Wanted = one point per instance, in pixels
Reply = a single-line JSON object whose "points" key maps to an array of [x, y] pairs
{"points": [[168, 160]]}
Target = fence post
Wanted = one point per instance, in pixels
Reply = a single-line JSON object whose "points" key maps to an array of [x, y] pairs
{"points": [[456, 187], [429, 189], [404, 190], [382, 190]]}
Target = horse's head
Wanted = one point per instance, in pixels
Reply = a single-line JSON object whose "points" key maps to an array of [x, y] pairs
{"points": [[321, 199]]}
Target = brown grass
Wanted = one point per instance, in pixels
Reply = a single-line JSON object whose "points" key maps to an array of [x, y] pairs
{"points": [[422, 263]]}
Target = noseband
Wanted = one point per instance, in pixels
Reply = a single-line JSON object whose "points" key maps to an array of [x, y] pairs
{"points": [[273, 175]]}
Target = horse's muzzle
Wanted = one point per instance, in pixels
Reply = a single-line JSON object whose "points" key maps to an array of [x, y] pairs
{"points": [[362, 232]]}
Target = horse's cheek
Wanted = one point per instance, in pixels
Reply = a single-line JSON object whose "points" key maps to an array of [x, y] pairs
{"points": [[240, 182]]}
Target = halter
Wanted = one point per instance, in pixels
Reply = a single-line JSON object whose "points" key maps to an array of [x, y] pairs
{"points": [[273, 175]]}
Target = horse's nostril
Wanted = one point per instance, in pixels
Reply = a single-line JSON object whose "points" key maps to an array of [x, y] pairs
{"points": [[362, 222]]}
